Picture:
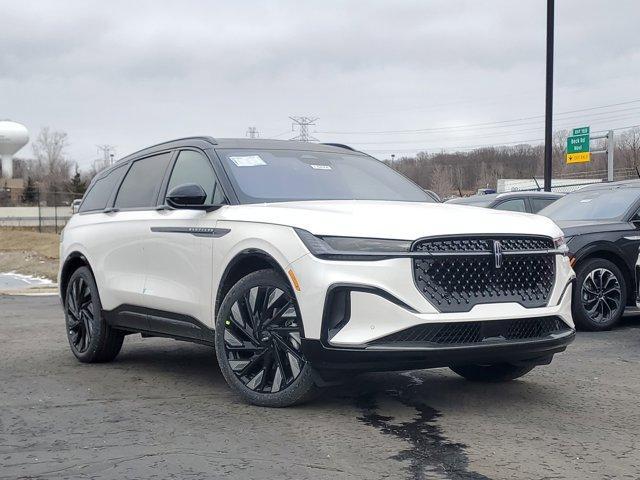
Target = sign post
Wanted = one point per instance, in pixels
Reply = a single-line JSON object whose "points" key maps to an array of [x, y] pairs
{"points": [[578, 150]]}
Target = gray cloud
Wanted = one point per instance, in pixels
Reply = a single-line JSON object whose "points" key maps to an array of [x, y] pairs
{"points": [[133, 73]]}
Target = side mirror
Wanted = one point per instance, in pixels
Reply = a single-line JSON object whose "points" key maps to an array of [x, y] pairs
{"points": [[636, 219], [189, 196], [186, 196]]}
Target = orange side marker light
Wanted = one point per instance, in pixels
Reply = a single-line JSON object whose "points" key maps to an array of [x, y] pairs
{"points": [[294, 280]]}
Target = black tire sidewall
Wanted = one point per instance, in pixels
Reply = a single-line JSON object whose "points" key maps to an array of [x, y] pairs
{"points": [[580, 316], [100, 330], [501, 372], [302, 388]]}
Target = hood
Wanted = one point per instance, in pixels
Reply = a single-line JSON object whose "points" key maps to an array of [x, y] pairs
{"points": [[393, 220], [572, 228]]}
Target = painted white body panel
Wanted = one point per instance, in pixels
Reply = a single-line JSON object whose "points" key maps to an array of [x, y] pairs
{"points": [[181, 273]]}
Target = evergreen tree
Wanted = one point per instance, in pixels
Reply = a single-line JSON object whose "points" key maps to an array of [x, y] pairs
{"points": [[30, 192], [77, 185]]}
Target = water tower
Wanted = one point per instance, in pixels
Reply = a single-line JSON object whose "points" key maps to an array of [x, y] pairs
{"points": [[13, 136]]}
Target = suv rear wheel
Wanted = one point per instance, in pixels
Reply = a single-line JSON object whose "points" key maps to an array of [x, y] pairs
{"points": [[600, 295], [90, 338], [502, 372], [257, 336]]}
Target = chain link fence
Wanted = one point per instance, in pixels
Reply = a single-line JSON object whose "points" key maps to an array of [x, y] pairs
{"points": [[569, 182], [44, 210]]}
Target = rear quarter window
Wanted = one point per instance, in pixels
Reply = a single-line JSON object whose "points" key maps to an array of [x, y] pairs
{"points": [[101, 190]]}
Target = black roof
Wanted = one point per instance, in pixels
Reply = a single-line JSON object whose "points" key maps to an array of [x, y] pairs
{"points": [[488, 198], [258, 143]]}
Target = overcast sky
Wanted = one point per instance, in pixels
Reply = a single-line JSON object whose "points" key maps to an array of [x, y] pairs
{"points": [[132, 74]]}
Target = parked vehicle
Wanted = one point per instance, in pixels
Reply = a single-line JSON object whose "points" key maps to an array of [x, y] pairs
{"points": [[601, 224], [527, 202], [301, 261], [75, 206], [433, 195]]}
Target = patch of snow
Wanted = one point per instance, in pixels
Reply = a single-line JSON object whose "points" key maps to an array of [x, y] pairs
{"points": [[13, 280]]}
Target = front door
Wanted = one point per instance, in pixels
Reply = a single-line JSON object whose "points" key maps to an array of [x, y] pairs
{"points": [[179, 245]]}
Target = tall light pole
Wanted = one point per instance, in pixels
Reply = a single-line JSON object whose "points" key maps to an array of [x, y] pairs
{"points": [[548, 114]]}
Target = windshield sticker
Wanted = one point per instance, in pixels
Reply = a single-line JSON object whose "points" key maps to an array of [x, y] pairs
{"points": [[320, 167], [248, 161], [586, 200]]}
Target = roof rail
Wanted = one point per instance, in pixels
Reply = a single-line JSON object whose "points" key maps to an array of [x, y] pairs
{"points": [[340, 145], [207, 139]]}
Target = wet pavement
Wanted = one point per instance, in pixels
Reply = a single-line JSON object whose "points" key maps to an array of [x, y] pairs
{"points": [[162, 410]]}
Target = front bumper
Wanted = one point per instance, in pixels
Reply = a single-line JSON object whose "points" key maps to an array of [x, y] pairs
{"points": [[533, 352], [382, 299]]}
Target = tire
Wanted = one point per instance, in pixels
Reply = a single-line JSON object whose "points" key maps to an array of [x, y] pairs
{"points": [[83, 313], [258, 348], [600, 285], [501, 372]]}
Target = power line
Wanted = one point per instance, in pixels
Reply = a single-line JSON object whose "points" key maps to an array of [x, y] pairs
{"points": [[453, 127], [303, 124], [488, 145], [562, 125]]}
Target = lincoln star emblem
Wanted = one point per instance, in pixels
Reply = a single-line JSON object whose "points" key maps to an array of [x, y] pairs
{"points": [[497, 253]]}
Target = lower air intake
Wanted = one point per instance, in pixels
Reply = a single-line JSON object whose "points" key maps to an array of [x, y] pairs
{"points": [[465, 333]]}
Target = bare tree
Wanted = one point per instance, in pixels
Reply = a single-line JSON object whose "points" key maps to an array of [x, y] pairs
{"points": [[441, 181], [50, 165], [630, 145]]}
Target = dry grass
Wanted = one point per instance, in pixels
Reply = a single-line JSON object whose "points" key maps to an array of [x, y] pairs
{"points": [[29, 252]]}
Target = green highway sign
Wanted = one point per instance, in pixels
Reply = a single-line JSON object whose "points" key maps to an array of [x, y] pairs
{"points": [[578, 145], [578, 142]]}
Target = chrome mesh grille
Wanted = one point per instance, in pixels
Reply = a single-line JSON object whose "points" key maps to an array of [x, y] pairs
{"points": [[463, 272]]}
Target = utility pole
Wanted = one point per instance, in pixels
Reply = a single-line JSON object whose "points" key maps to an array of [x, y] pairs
{"points": [[303, 124], [611, 146], [108, 153], [252, 132], [548, 114]]}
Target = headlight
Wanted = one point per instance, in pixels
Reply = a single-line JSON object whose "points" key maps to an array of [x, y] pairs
{"points": [[352, 248], [560, 244]]}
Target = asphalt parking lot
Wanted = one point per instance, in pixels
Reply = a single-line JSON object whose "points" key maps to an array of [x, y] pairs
{"points": [[162, 410]]}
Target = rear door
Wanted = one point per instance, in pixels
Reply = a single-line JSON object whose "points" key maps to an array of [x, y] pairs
{"points": [[130, 216], [179, 245]]}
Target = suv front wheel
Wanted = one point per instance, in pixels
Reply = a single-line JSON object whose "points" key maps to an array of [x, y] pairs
{"points": [[257, 337], [600, 295]]}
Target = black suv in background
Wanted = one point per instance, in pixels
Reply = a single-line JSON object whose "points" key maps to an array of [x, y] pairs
{"points": [[526, 202], [601, 224]]}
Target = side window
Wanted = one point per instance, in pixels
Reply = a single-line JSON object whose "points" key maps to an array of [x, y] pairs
{"points": [[538, 204], [140, 187], [515, 205], [193, 167], [100, 193]]}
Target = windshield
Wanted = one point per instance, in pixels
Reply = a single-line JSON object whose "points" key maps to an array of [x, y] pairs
{"points": [[286, 175], [593, 205]]}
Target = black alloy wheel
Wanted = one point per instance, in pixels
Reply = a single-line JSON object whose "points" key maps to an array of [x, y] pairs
{"points": [[600, 295], [80, 318], [258, 342], [90, 338]]}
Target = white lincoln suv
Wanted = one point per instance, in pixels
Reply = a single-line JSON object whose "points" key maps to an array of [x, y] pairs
{"points": [[300, 262]]}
